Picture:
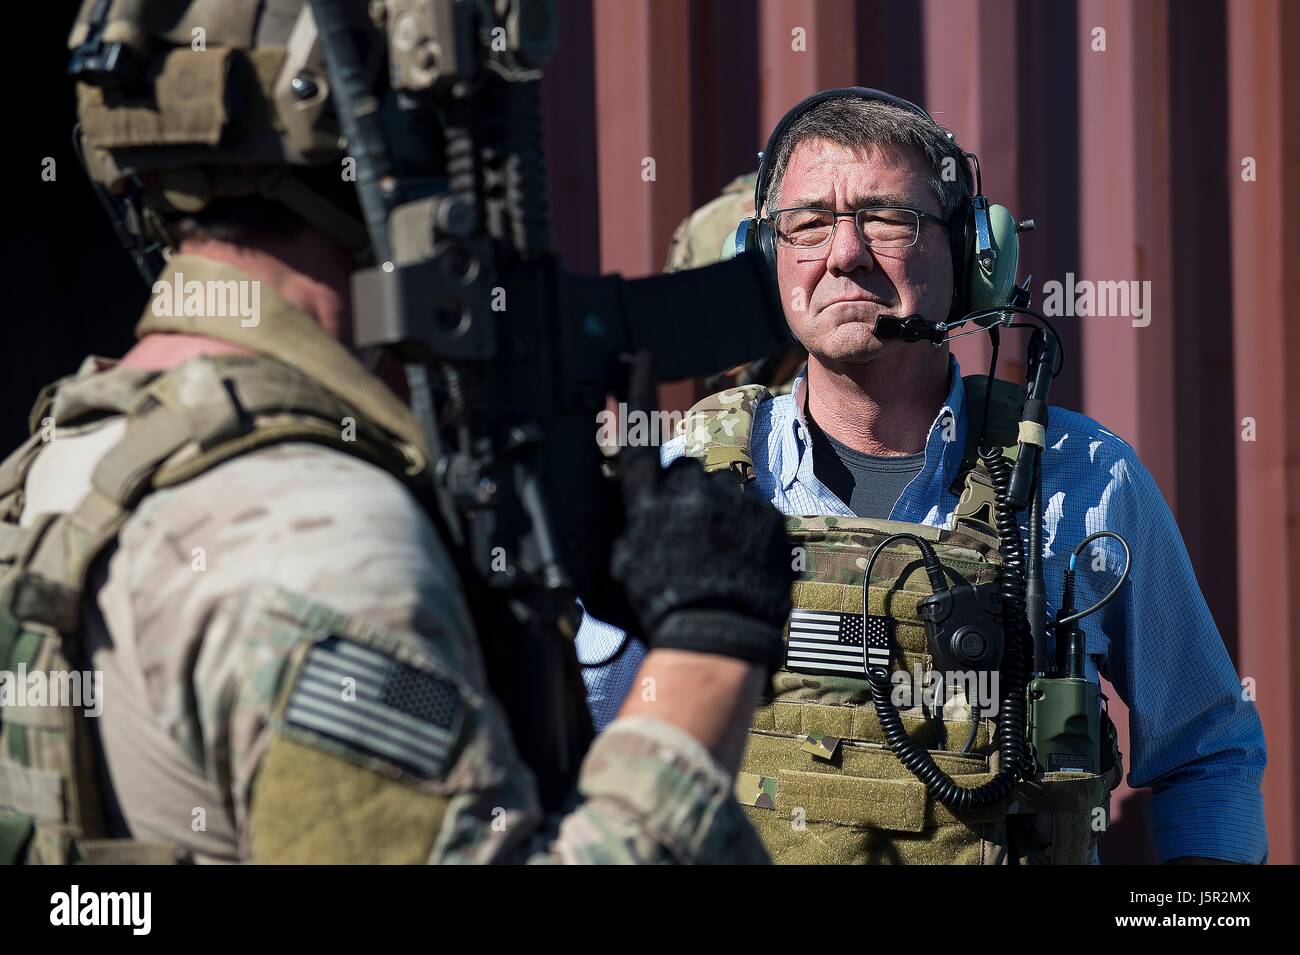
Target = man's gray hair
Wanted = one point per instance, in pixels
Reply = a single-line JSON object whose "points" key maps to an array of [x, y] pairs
{"points": [[854, 123]]}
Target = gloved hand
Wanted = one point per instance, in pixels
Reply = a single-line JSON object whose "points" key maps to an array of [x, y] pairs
{"points": [[705, 566]]}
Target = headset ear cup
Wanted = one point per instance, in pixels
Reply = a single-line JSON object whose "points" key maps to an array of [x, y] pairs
{"points": [[737, 240], [961, 238], [758, 237], [754, 236], [993, 287], [765, 236]]}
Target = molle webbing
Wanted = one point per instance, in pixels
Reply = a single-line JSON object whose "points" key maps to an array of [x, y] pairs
{"points": [[186, 421], [864, 786], [821, 784], [832, 554], [48, 796], [845, 721]]}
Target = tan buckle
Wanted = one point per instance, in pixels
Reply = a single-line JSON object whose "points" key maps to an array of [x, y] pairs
{"points": [[978, 500]]}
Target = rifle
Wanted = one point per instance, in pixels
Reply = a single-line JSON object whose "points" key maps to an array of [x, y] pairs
{"points": [[509, 357]]}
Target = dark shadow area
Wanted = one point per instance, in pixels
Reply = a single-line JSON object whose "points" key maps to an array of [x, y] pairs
{"points": [[69, 288], [569, 105]]}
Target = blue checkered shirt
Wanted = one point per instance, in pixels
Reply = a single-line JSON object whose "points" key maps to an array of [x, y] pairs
{"points": [[1193, 738]]}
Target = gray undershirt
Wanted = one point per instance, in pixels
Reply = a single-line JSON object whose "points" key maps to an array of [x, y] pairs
{"points": [[867, 483]]}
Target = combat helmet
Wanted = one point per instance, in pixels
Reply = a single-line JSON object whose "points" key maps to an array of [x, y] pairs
{"points": [[700, 238], [183, 103]]}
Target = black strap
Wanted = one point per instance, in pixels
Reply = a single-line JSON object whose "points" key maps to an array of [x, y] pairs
{"points": [[1008, 399]]}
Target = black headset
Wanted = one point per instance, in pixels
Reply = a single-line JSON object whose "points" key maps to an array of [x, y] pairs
{"points": [[983, 237]]}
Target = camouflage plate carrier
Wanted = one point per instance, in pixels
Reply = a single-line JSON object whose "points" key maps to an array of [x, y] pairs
{"points": [[817, 780], [179, 424]]}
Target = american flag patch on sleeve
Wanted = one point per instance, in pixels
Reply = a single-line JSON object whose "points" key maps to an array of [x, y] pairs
{"points": [[376, 706], [830, 642]]}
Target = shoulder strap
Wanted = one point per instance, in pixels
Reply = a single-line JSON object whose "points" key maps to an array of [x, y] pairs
{"points": [[181, 424], [973, 484], [13, 475], [284, 333], [1006, 400], [41, 423], [718, 429]]}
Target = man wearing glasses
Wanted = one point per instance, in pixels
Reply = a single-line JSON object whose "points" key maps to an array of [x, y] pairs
{"points": [[860, 197]]}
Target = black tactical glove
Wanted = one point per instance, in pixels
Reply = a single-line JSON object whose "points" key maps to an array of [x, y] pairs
{"points": [[705, 566]]}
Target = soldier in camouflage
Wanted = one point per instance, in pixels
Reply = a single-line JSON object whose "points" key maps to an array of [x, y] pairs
{"points": [[702, 237], [223, 524]]}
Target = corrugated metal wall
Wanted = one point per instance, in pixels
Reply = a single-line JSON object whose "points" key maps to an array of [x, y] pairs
{"points": [[1151, 140]]}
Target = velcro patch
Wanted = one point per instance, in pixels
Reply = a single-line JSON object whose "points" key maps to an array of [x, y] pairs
{"points": [[820, 745], [754, 790], [825, 642], [376, 706]]}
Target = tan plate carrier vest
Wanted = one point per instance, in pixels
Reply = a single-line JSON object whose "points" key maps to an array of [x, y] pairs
{"points": [[178, 425], [818, 783]]}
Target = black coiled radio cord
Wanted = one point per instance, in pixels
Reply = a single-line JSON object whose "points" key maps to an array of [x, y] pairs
{"points": [[1011, 714]]}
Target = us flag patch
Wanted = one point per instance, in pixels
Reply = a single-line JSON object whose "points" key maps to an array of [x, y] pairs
{"points": [[829, 642], [376, 706]]}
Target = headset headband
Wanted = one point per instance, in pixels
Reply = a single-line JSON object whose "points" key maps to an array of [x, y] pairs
{"points": [[768, 156]]}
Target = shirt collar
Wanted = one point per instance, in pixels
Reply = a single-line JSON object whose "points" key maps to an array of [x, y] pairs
{"points": [[944, 446]]}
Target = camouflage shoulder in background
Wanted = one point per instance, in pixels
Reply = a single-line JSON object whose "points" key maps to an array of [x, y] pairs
{"points": [[698, 239], [757, 791], [718, 429]]}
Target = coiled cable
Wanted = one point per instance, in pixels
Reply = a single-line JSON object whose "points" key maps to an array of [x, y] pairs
{"points": [[1011, 714]]}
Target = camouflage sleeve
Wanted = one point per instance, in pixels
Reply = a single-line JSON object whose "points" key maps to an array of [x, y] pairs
{"points": [[653, 794], [335, 700], [649, 793]]}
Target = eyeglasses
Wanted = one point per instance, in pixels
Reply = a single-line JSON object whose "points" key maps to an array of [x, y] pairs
{"points": [[880, 227]]}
